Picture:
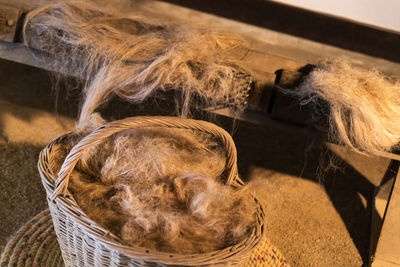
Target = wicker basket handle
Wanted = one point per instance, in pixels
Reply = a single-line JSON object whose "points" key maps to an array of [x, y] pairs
{"points": [[108, 129]]}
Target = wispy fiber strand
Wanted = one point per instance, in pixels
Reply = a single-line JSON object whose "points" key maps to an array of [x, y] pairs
{"points": [[364, 105], [132, 58]]}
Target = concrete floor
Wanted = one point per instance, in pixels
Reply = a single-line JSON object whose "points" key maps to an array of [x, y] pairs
{"points": [[316, 216], [24, 130]]}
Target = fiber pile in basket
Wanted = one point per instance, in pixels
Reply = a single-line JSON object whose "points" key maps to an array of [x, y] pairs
{"points": [[162, 189]]}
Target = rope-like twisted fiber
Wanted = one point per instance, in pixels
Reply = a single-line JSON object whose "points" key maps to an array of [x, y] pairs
{"points": [[108, 129], [265, 254], [35, 244]]}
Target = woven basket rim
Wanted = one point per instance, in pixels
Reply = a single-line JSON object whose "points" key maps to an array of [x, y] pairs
{"points": [[65, 202]]}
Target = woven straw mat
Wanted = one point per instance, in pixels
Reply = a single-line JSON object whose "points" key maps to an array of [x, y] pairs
{"points": [[35, 244]]}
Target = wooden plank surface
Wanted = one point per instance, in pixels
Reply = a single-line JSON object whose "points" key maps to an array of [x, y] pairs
{"points": [[388, 248], [284, 51], [269, 41]]}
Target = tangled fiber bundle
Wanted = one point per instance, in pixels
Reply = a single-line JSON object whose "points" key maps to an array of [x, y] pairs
{"points": [[364, 105], [162, 189], [132, 58]]}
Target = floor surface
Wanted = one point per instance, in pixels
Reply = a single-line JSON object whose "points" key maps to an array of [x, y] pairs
{"points": [[317, 216]]}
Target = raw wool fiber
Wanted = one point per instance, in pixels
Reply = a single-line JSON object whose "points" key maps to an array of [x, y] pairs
{"points": [[132, 58], [161, 189], [364, 105]]}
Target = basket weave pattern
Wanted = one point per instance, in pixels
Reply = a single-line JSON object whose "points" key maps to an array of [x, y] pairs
{"points": [[85, 243]]}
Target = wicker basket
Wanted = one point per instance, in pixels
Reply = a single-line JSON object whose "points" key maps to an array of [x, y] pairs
{"points": [[85, 243]]}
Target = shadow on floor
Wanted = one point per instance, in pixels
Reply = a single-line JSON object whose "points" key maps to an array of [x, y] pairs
{"points": [[303, 156], [22, 194]]}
